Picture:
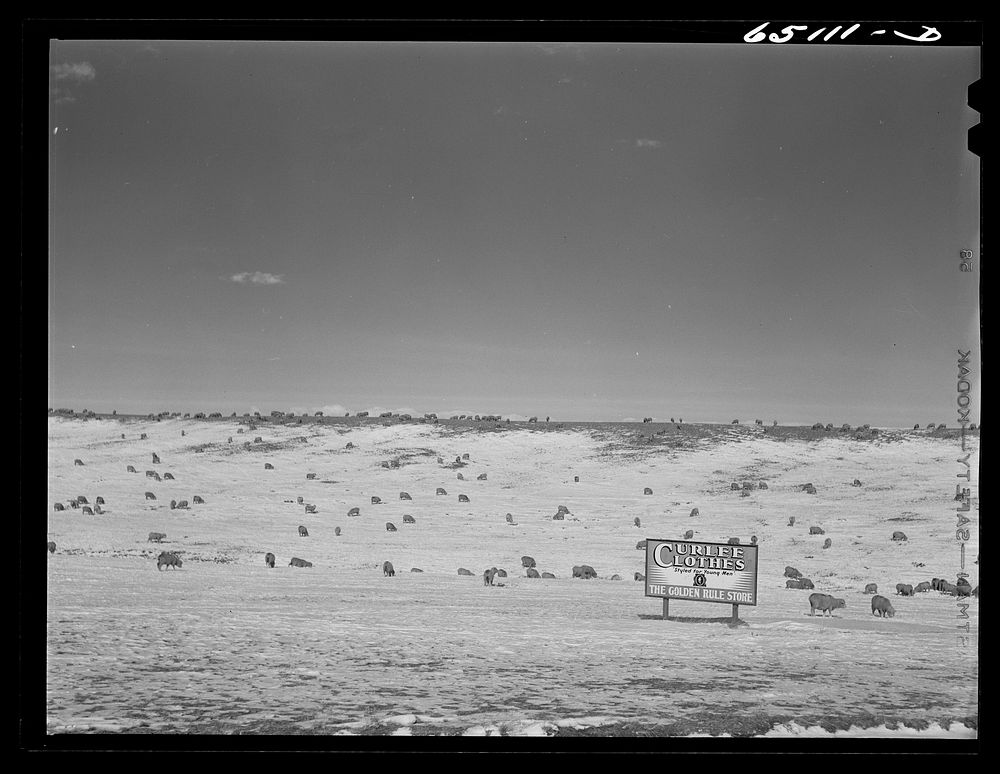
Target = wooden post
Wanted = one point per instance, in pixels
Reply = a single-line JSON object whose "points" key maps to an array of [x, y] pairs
{"points": [[666, 607], [736, 614]]}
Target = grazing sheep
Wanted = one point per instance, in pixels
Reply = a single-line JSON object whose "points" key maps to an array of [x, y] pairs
{"points": [[647, 419], [904, 589], [168, 559], [647, 491], [576, 479], [440, 491], [269, 559], [816, 531], [182, 504], [156, 459], [481, 477], [636, 522], [791, 572], [98, 510], [155, 537], [872, 588], [463, 498], [78, 462], [921, 587], [258, 439], [388, 570], [296, 562], [639, 576], [58, 507], [827, 543], [198, 500], [735, 422], [501, 573], [303, 532], [463, 571], [510, 518], [640, 546], [73, 503], [857, 482], [748, 486], [300, 499], [354, 512], [404, 496], [349, 445], [547, 575], [150, 473], [130, 469], [52, 547], [310, 508], [310, 476], [415, 569], [762, 485], [150, 496], [465, 456], [489, 575], [584, 571], [809, 489], [897, 535], [87, 511], [734, 541], [268, 466], [390, 527], [824, 603], [527, 561], [689, 534], [734, 486], [882, 607], [531, 572], [173, 504], [791, 521], [799, 583], [695, 512], [376, 500], [82, 500]]}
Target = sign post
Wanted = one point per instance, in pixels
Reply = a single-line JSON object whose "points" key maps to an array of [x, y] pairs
{"points": [[701, 572]]}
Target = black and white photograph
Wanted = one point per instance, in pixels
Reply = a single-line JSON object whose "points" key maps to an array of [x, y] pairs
{"points": [[561, 382]]}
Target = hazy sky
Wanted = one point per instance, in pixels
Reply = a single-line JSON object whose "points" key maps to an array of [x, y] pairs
{"points": [[589, 232]]}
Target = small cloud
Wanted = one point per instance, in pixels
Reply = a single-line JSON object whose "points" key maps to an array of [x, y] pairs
{"points": [[258, 278], [336, 410], [80, 71], [644, 143]]}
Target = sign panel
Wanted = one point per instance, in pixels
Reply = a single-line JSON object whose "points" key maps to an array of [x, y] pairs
{"points": [[701, 572]]}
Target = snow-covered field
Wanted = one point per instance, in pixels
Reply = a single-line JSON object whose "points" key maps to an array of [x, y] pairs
{"points": [[227, 645]]}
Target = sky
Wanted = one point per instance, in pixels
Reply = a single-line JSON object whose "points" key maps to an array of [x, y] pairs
{"points": [[589, 231]]}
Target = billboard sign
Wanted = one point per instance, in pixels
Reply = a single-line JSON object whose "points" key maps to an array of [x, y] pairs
{"points": [[701, 572]]}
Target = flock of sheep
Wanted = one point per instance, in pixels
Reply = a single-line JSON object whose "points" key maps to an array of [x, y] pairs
{"points": [[826, 604]]}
